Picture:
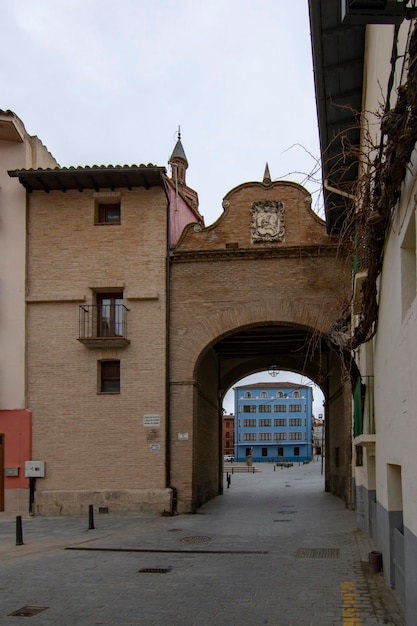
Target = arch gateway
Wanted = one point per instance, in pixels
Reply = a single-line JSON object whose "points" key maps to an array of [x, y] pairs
{"points": [[261, 285], [138, 320]]}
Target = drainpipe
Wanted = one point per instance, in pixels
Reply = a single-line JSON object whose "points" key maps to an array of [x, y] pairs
{"points": [[167, 356], [339, 192]]}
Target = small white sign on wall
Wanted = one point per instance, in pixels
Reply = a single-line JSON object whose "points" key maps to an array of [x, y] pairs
{"points": [[183, 436], [152, 420]]}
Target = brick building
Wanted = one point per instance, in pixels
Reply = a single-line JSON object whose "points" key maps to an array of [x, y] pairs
{"points": [[229, 434], [96, 341]]}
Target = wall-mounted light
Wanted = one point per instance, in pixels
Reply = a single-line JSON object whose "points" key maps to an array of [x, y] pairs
{"points": [[273, 370]]}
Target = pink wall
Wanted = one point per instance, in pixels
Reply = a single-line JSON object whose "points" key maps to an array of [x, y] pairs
{"points": [[16, 426], [180, 215]]}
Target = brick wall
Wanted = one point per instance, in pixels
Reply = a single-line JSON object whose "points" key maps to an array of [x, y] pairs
{"points": [[218, 288], [95, 445]]}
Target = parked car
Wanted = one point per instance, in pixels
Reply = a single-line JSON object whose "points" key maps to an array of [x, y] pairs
{"points": [[229, 458]]}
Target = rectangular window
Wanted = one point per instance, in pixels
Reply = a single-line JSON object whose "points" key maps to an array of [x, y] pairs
{"points": [[249, 436], [249, 423], [280, 451], [296, 451], [295, 421], [280, 436], [264, 451], [265, 408], [265, 436], [296, 436], [265, 422], [294, 408], [108, 213], [280, 422], [249, 408], [109, 376], [110, 314], [280, 408]]}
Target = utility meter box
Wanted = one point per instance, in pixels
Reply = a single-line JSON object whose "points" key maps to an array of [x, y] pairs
{"points": [[35, 469]]}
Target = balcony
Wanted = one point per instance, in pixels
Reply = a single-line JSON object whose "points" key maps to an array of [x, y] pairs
{"points": [[103, 326]]}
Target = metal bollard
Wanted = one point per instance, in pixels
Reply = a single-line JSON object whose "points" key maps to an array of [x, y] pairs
{"points": [[228, 479], [19, 532], [91, 517]]}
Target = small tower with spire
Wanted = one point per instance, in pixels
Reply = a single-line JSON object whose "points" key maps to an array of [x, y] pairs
{"points": [[179, 165], [179, 161]]}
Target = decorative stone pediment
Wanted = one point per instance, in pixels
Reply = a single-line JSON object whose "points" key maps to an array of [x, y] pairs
{"points": [[268, 222]]}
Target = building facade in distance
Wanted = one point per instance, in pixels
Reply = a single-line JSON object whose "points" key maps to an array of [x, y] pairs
{"points": [[229, 434], [273, 422]]}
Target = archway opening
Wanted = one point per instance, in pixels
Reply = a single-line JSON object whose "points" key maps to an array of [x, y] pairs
{"points": [[273, 416], [245, 351]]}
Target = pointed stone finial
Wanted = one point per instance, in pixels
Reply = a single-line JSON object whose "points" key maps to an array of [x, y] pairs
{"points": [[267, 175]]}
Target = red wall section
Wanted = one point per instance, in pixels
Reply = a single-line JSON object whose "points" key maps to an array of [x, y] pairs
{"points": [[17, 429]]}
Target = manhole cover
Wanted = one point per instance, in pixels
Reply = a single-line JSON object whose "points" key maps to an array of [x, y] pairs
{"points": [[195, 539], [28, 611], [318, 553], [155, 570]]}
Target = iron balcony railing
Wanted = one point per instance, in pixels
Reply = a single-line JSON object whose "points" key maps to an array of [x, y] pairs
{"points": [[103, 322]]}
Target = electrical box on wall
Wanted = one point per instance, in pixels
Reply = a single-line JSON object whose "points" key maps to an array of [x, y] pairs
{"points": [[35, 469]]}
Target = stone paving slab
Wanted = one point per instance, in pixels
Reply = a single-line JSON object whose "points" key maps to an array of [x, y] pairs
{"points": [[274, 549]]}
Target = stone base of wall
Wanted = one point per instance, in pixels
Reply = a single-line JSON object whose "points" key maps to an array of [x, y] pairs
{"points": [[128, 501]]}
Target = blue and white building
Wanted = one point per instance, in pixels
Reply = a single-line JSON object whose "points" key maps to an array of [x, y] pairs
{"points": [[273, 422]]}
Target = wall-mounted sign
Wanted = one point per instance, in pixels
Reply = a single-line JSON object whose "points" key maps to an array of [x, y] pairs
{"points": [[152, 420], [154, 447], [183, 436]]}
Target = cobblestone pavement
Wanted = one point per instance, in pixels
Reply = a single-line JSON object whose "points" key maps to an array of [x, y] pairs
{"points": [[275, 549]]}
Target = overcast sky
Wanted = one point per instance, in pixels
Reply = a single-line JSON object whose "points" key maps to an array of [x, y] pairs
{"points": [[104, 83], [101, 82]]}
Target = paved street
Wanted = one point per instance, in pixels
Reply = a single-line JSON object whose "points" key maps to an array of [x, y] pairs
{"points": [[274, 549]]}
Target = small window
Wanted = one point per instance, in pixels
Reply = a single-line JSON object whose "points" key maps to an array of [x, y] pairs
{"points": [[265, 408], [248, 394], [280, 394], [264, 451], [296, 451], [108, 213], [264, 394], [109, 376], [296, 394]]}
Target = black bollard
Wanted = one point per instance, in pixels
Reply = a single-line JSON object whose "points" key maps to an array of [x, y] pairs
{"points": [[228, 479], [91, 517], [19, 532]]}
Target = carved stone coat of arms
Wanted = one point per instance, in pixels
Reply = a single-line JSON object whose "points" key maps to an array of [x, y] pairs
{"points": [[268, 222]]}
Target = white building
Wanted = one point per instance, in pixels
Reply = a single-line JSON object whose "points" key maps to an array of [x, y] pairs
{"points": [[18, 150], [366, 88]]}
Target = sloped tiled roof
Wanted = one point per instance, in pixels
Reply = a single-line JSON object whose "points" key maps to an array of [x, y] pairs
{"points": [[90, 177]]}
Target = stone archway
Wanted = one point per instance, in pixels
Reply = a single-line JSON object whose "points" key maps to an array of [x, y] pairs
{"points": [[226, 279]]}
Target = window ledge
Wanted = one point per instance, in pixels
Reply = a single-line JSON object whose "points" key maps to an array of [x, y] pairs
{"points": [[367, 441]]}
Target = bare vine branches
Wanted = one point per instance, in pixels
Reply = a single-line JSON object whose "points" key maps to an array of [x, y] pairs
{"points": [[378, 193]]}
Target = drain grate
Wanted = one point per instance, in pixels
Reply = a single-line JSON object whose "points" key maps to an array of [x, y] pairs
{"points": [[196, 539], [318, 553], [282, 520], [286, 512], [155, 570], [28, 611]]}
